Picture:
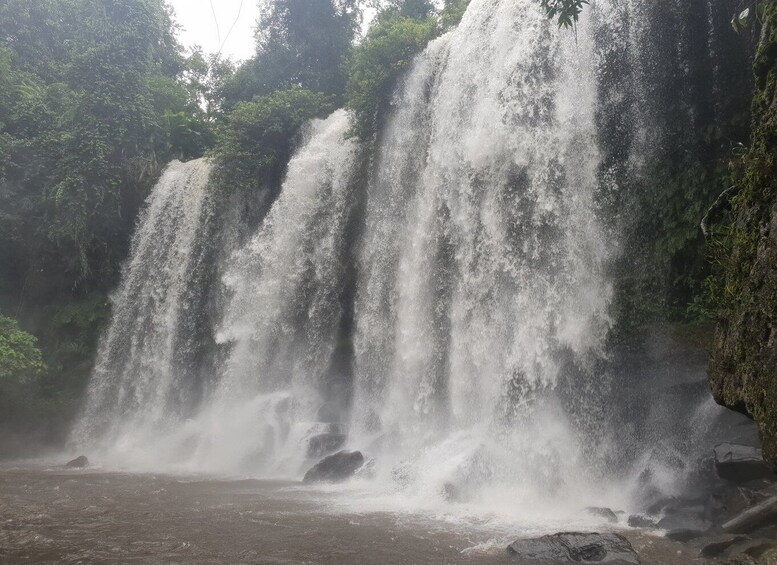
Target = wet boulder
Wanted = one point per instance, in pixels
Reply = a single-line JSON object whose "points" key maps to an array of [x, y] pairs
{"points": [[79, 462], [575, 547], [637, 521], [335, 468], [323, 444], [740, 463]]}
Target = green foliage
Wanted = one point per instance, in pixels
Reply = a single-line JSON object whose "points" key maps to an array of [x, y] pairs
{"points": [[300, 43], [453, 11], [20, 358], [378, 61], [110, 96], [567, 12], [256, 141]]}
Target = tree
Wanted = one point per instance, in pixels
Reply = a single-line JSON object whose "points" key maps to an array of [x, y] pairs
{"points": [[20, 358], [374, 66], [256, 141], [300, 43]]}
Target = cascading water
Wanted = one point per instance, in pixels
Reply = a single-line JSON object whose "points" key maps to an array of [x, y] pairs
{"points": [[481, 303], [141, 380], [280, 324], [482, 266], [282, 320]]}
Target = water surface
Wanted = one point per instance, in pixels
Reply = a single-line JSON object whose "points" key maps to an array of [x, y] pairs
{"points": [[59, 516]]}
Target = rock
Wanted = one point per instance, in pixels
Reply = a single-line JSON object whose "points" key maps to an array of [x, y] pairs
{"points": [[601, 512], [636, 521], [78, 463], [760, 515], [574, 547], [685, 524], [335, 468], [717, 548], [740, 463], [323, 444]]}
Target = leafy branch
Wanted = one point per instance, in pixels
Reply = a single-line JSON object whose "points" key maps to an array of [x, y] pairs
{"points": [[566, 11]]}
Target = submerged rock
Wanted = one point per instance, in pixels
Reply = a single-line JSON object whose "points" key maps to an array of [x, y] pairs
{"points": [[78, 463], [322, 444], [740, 463], [335, 468], [575, 547]]}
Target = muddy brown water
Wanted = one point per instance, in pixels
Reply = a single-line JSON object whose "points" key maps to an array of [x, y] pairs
{"points": [[60, 516]]}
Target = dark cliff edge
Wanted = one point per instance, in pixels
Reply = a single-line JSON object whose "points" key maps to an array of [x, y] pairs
{"points": [[743, 370]]}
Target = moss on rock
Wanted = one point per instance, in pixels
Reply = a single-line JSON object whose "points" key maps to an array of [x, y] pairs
{"points": [[743, 371]]}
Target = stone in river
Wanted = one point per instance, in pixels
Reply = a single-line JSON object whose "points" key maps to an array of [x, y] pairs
{"points": [[78, 463], [335, 468], [575, 547]]}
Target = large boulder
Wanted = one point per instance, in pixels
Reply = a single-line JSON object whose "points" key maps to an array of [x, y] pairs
{"points": [[78, 463], [740, 463], [335, 468], [575, 547]]}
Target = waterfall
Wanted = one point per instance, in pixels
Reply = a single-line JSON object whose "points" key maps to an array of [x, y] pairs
{"points": [[482, 270], [142, 376], [440, 300], [280, 321]]}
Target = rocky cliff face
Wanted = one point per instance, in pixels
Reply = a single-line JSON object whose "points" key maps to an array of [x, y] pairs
{"points": [[743, 372]]}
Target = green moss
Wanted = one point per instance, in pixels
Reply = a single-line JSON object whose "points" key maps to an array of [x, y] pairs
{"points": [[743, 371]]}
